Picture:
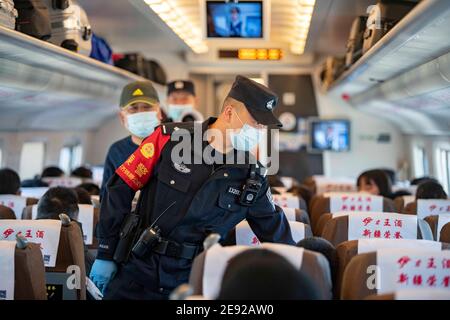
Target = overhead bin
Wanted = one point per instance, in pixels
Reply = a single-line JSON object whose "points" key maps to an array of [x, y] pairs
{"points": [[418, 38], [36, 76]]}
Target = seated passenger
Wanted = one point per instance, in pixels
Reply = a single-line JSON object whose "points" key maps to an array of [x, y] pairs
{"points": [[56, 201], [324, 247], [48, 172], [417, 181], [375, 182], [63, 200], [9, 182], [260, 274], [82, 172], [83, 196], [91, 188], [430, 190], [52, 172]]}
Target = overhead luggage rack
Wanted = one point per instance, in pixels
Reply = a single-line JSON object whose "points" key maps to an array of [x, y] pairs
{"points": [[420, 37], [36, 77]]}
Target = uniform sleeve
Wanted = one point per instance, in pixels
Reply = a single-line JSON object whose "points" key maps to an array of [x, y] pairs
{"points": [[268, 221], [131, 176], [108, 171]]}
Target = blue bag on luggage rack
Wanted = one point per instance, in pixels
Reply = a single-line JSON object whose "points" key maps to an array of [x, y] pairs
{"points": [[101, 51]]}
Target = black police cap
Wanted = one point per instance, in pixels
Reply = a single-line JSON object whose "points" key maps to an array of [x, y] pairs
{"points": [[181, 85], [259, 100]]}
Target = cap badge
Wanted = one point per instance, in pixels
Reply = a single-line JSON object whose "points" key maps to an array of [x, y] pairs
{"points": [[270, 104], [179, 85], [138, 92]]}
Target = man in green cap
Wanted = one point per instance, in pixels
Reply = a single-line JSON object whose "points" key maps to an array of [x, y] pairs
{"points": [[139, 113]]}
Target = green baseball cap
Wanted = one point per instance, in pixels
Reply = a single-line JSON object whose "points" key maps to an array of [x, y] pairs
{"points": [[139, 91]]}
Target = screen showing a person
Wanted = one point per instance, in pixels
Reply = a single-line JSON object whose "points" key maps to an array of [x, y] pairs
{"points": [[330, 136], [234, 20]]}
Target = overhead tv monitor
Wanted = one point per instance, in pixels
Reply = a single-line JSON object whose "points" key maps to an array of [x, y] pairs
{"points": [[329, 135], [242, 20]]}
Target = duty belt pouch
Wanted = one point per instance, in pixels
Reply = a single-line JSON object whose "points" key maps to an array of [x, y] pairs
{"points": [[128, 234]]}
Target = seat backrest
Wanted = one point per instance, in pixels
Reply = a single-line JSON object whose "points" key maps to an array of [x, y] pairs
{"points": [[433, 223], [298, 215], [395, 269], [7, 213], [445, 233], [401, 202], [29, 274], [313, 265], [323, 205], [349, 249], [22, 271], [369, 225], [243, 235], [71, 253]]}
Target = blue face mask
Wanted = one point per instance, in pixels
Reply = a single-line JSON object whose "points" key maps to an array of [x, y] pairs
{"points": [[246, 139], [176, 111], [142, 124]]}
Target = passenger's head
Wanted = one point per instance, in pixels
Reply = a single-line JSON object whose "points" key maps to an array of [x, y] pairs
{"points": [[52, 172], [430, 190], [247, 110], [234, 13], [9, 182], [260, 274], [417, 181], [82, 172], [375, 182], [83, 196], [324, 247], [56, 201], [182, 101], [140, 110], [91, 188]]}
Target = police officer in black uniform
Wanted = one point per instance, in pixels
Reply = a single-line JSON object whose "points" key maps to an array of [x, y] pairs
{"points": [[146, 254]]}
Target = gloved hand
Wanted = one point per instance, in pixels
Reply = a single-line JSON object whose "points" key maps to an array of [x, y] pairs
{"points": [[102, 272]]}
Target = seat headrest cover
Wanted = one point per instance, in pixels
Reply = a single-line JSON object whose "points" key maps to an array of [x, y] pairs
{"points": [[412, 269], [356, 202], [246, 237], [286, 200], [372, 245], [217, 258], [46, 233], [381, 225], [7, 251], [16, 203], [432, 207], [86, 218]]}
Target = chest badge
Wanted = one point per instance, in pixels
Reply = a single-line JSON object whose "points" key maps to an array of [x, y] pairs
{"points": [[180, 167]]}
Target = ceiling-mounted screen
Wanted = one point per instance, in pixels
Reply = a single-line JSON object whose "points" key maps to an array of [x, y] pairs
{"points": [[234, 20], [329, 135]]}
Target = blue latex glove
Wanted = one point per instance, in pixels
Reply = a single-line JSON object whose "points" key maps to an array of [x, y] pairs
{"points": [[102, 272]]}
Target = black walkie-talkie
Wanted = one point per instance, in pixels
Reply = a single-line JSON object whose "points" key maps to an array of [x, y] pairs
{"points": [[251, 188]]}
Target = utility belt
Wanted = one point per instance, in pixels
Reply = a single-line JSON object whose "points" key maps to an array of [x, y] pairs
{"points": [[141, 242], [149, 241]]}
